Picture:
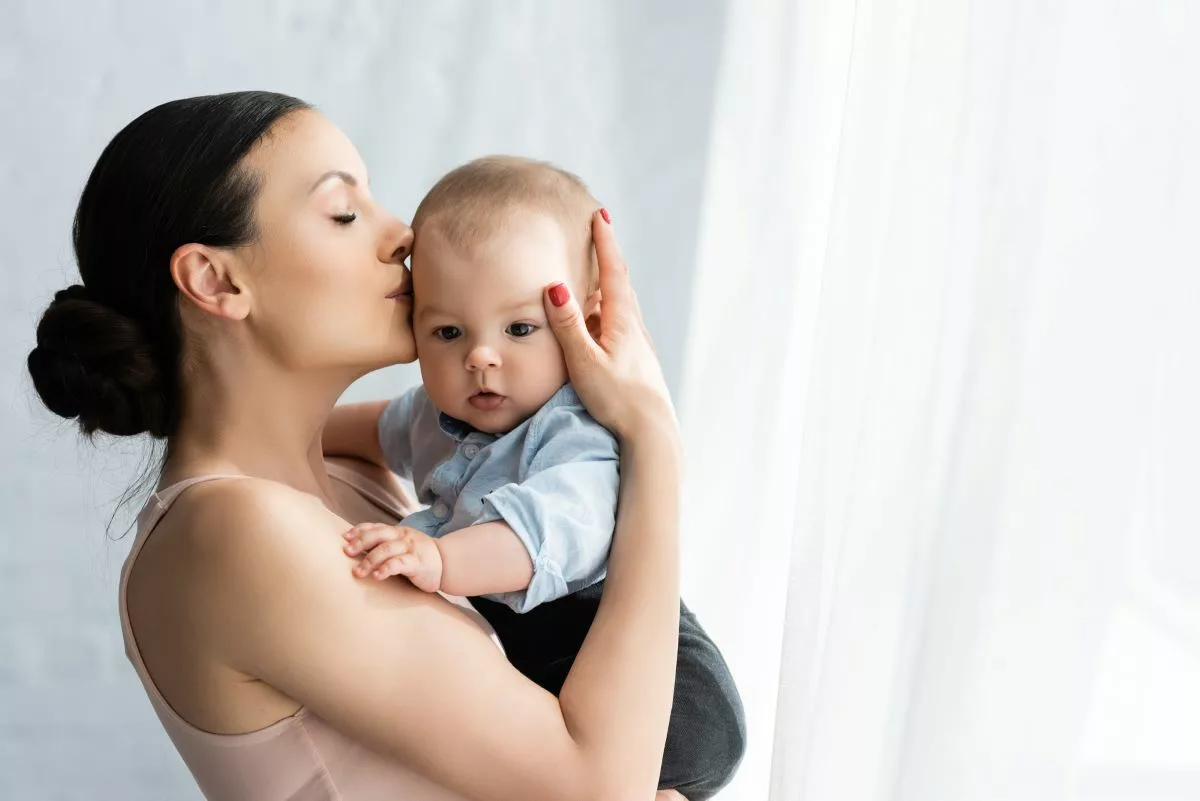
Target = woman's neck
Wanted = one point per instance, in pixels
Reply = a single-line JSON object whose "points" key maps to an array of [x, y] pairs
{"points": [[269, 428]]}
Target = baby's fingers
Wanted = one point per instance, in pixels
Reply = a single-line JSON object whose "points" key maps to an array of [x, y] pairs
{"points": [[403, 565], [368, 535], [375, 557]]}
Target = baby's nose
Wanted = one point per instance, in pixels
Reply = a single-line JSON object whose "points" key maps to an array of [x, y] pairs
{"points": [[483, 358]]}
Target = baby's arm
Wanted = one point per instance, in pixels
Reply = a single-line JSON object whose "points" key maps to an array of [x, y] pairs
{"points": [[478, 560], [563, 510], [484, 559], [353, 430]]}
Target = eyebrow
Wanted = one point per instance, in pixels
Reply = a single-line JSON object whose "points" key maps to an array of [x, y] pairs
{"points": [[349, 179]]}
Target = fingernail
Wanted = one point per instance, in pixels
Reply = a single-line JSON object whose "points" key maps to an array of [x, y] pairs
{"points": [[604, 214], [349, 534], [559, 294]]}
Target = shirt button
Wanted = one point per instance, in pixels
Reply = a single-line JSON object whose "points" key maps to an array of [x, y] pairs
{"points": [[471, 451], [440, 509]]}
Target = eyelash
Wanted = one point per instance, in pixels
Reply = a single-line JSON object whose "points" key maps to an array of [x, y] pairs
{"points": [[345, 219]]}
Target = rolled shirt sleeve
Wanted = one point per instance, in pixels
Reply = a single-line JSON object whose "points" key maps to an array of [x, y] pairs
{"points": [[564, 508]]}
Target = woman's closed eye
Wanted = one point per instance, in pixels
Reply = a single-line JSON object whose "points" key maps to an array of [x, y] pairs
{"points": [[520, 330], [446, 333]]}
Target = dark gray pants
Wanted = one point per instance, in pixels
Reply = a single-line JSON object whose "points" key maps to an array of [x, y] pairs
{"points": [[707, 734]]}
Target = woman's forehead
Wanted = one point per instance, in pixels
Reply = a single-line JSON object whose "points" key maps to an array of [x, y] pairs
{"points": [[303, 150]]}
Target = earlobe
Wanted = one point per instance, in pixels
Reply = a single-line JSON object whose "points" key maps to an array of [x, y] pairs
{"points": [[203, 275]]}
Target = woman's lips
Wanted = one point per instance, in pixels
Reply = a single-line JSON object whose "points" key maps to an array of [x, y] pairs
{"points": [[486, 401], [404, 291]]}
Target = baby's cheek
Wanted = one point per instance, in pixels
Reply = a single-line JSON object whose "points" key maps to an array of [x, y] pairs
{"points": [[436, 374], [549, 370]]}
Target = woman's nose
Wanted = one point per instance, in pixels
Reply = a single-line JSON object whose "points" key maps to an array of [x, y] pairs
{"points": [[482, 357], [396, 243]]}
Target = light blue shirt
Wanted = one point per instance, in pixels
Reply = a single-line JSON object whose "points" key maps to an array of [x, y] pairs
{"points": [[553, 479]]}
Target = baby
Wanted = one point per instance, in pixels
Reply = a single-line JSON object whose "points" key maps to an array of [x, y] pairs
{"points": [[520, 480]]}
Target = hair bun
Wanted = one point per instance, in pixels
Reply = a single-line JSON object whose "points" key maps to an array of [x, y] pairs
{"points": [[96, 364]]}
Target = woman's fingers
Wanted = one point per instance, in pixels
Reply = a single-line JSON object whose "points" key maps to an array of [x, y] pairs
{"points": [[614, 279], [614, 273], [567, 323], [616, 375]]}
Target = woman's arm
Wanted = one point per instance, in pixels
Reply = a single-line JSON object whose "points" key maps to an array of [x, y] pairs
{"points": [[409, 675], [619, 379], [353, 430]]}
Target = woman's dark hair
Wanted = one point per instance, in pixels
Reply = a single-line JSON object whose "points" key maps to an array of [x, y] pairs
{"points": [[108, 351]]}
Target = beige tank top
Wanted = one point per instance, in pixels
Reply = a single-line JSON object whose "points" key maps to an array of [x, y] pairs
{"points": [[299, 758]]}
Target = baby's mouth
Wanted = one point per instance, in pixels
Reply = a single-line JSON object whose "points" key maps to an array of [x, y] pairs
{"points": [[486, 400]]}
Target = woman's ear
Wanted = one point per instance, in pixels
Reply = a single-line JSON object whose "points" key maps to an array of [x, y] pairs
{"points": [[591, 314], [206, 277]]}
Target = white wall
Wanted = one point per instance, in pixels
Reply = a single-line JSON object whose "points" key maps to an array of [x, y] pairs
{"points": [[619, 92]]}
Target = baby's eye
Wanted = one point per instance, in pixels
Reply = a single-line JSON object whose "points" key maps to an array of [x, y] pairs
{"points": [[345, 219], [520, 329], [447, 332]]}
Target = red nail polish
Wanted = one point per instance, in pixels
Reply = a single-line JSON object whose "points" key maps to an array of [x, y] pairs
{"points": [[559, 294], [604, 214]]}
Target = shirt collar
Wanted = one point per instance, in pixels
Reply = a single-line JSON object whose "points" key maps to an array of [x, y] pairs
{"points": [[454, 428]]}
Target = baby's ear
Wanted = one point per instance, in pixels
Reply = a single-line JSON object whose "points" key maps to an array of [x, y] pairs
{"points": [[591, 314]]}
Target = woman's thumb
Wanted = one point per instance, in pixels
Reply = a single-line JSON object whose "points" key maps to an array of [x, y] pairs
{"points": [[566, 320]]}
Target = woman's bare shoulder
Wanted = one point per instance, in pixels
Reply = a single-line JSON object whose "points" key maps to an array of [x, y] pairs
{"points": [[222, 526], [244, 512]]}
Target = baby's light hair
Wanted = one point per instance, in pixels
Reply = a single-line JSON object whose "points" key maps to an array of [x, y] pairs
{"points": [[471, 203]]}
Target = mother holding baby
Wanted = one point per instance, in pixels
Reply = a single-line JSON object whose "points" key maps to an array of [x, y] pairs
{"points": [[237, 277]]}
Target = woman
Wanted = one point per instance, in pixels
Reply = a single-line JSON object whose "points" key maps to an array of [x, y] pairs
{"points": [[237, 277]]}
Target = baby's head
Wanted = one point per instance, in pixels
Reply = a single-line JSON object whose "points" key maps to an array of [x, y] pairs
{"points": [[489, 237]]}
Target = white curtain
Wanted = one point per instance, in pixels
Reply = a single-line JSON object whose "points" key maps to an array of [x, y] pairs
{"points": [[941, 398]]}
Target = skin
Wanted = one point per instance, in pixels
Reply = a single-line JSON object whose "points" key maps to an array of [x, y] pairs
{"points": [[243, 606]]}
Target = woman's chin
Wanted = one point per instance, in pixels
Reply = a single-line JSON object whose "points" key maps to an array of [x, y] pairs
{"points": [[401, 350], [395, 353]]}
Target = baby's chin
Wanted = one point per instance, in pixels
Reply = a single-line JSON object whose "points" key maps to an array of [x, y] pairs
{"points": [[498, 422]]}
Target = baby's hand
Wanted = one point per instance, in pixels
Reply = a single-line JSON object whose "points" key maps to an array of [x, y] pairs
{"points": [[395, 551]]}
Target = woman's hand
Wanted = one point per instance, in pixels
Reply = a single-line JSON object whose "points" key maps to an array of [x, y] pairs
{"points": [[616, 374]]}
